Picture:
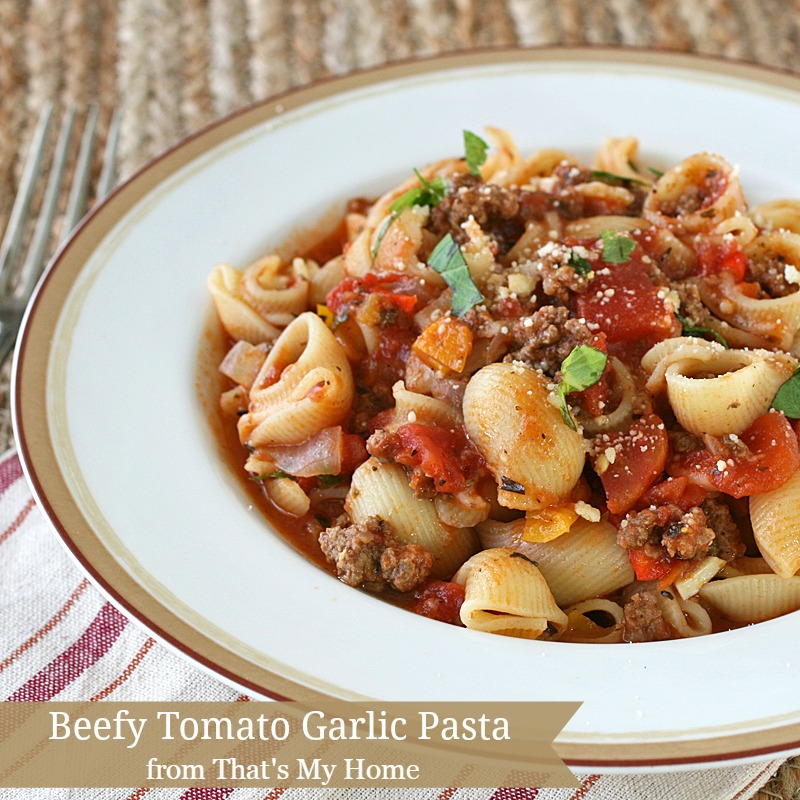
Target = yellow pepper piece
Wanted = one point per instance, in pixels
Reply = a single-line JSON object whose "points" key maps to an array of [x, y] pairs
{"points": [[445, 344], [325, 314], [549, 523]]}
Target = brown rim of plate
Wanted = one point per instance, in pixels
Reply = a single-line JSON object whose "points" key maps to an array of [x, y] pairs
{"points": [[53, 496]]}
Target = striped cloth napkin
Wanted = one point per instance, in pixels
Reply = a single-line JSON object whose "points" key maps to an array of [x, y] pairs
{"points": [[60, 639]]}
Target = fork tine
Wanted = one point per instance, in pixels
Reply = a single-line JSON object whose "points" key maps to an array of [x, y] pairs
{"points": [[19, 212], [108, 175], [34, 261], [76, 204]]}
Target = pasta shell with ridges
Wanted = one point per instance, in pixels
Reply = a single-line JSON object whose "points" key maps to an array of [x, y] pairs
{"points": [[380, 489], [521, 434]]}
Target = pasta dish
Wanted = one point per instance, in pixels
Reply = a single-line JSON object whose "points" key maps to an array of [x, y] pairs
{"points": [[535, 397]]}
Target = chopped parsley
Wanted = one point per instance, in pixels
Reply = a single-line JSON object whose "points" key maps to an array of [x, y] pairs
{"points": [[329, 480], [278, 474], [428, 193], [582, 368], [657, 172], [579, 264], [617, 248], [788, 397], [382, 232], [698, 330], [475, 151], [448, 260], [610, 177]]}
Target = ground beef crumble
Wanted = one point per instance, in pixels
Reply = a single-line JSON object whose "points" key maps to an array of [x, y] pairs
{"points": [[547, 338], [368, 555], [494, 208], [692, 308], [681, 535], [770, 273], [705, 530], [559, 279], [642, 620], [727, 543], [689, 537]]}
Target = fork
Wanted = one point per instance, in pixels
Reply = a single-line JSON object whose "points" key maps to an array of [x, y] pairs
{"points": [[19, 273]]}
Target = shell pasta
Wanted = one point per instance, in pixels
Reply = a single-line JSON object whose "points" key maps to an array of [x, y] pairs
{"points": [[533, 396]]}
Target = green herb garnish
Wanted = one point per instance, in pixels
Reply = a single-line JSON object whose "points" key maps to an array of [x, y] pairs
{"points": [[788, 397], [428, 193], [475, 151], [448, 260], [698, 330], [579, 264], [610, 177], [582, 368], [329, 480], [657, 172], [617, 248], [382, 232], [279, 473]]}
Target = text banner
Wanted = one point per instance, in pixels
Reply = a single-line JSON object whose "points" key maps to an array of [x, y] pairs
{"points": [[333, 744]]}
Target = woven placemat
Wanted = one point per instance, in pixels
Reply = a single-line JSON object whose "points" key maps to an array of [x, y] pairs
{"points": [[171, 67]]}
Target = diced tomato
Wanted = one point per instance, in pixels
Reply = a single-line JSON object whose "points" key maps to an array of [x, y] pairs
{"points": [[714, 257], [381, 420], [640, 454], [773, 459], [404, 291], [388, 360], [749, 289], [308, 484], [440, 600], [354, 452], [647, 568], [444, 455], [508, 308], [625, 304], [596, 397], [679, 492], [677, 568]]}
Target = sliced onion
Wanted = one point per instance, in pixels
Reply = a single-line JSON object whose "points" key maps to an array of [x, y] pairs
{"points": [[319, 455], [243, 362]]}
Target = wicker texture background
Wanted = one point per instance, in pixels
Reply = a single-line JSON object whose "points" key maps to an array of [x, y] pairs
{"points": [[171, 66]]}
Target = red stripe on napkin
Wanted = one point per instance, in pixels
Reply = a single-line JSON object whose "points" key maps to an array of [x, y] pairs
{"points": [[515, 794], [126, 673], [48, 626], [585, 786], [138, 794], [93, 644], [199, 793], [746, 791], [275, 794], [10, 471], [20, 518]]}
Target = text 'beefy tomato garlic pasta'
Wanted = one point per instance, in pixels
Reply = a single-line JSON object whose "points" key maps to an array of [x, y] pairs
{"points": [[536, 398]]}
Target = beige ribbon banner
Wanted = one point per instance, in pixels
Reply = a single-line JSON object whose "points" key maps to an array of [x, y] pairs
{"points": [[333, 744]]}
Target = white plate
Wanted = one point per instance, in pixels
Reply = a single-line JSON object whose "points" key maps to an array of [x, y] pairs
{"points": [[118, 449]]}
